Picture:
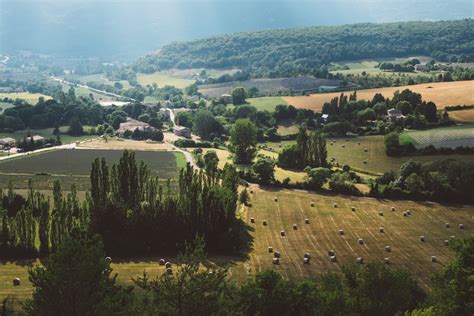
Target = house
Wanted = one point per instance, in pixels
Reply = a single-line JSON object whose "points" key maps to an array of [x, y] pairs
{"points": [[325, 117], [131, 125], [37, 139], [394, 114], [165, 113], [7, 142], [182, 131], [226, 98], [421, 67]]}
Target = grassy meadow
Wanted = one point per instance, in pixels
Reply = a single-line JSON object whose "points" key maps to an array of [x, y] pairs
{"points": [[266, 103], [164, 78], [31, 98], [349, 151]]}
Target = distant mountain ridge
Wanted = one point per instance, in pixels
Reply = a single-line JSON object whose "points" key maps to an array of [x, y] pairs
{"points": [[295, 51]]}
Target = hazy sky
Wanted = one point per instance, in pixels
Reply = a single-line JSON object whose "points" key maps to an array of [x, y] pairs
{"points": [[126, 27]]}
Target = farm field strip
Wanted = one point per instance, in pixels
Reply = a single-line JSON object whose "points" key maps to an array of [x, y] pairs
{"points": [[464, 116], [441, 93], [322, 234], [444, 137]]}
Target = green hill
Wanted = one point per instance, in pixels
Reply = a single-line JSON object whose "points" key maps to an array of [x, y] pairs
{"points": [[289, 52]]}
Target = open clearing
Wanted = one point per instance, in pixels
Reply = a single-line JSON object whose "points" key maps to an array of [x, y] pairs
{"points": [[464, 116], [31, 98], [266, 103], [164, 78], [318, 237], [442, 137], [354, 154], [441, 93]]}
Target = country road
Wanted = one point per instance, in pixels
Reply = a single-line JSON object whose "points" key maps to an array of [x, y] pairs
{"points": [[65, 146], [110, 94]]}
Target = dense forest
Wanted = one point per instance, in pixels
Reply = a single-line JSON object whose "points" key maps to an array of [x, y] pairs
{"points": [[287, 52]]}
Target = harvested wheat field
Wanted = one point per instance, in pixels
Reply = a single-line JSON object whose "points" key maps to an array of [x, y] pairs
{"points": [[441, 93], [340, 228], [464, 116]]}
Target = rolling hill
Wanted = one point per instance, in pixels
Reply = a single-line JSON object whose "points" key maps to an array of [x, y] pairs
{"points": [[289, 52]]}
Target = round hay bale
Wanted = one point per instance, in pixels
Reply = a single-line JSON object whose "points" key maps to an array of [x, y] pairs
{"points": [[360, 241], [386, 260], [333, 258], [295, 227], [365, 161], [341, 232], [312, 204], [307, 255], [405, 214], [381, 213], [275, 199], [252, 220], [276, 260], [393, 209], [108, 259], [446, 242], [452, 237], [306, 220], [343, 146], [434, 259], [251, 191], [161, 262], [447, 225], [270, 249], [358, 143], [282, 233], [169, 270], [276, 254], [422, 238], [264, 222], [381, 230], [366, 149], [334, 205], [168, 265], [461, 226], [408, 212], [16, 281], [306, 260], [388, 248], [331, 253], [360, 260], [353, 209]]}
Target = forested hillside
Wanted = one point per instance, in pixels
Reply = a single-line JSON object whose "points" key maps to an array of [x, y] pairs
{"points": [[287, 52]]}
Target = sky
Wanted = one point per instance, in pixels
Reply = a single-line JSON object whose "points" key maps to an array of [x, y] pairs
{"points": [[134, 27]]}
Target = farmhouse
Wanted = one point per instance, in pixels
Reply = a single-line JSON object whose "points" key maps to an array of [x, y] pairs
{"points": [[421, 67], [182, 131], [7, 142], [226, 98], [131, 125], [394, 114], [37, 139]]}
